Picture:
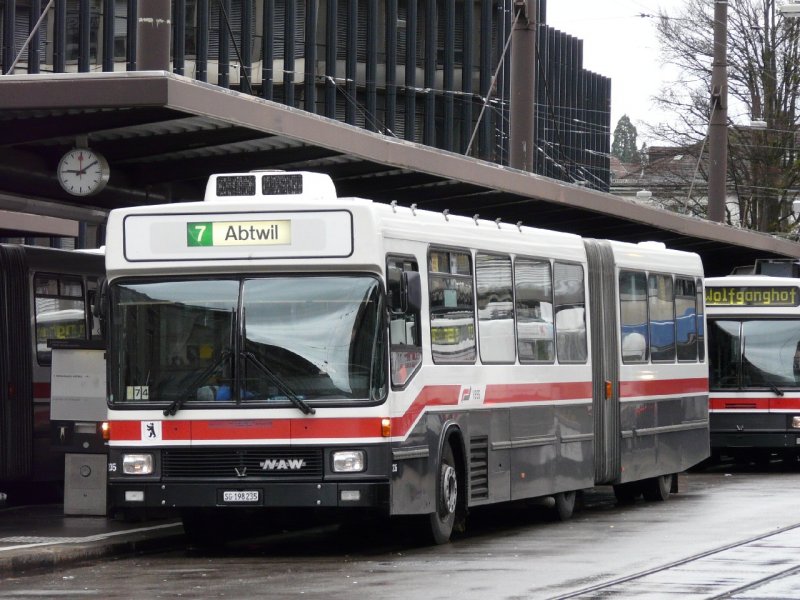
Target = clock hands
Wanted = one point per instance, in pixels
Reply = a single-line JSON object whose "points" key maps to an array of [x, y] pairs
{"points": [[80, 171], [83, 170]]}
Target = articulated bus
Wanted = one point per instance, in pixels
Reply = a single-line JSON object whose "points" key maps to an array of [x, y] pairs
{"points": [[754, 362], [274, 346], [46, 295]]}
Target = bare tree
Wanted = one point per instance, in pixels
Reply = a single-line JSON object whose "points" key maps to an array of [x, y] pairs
{"points": [[763, 85]]}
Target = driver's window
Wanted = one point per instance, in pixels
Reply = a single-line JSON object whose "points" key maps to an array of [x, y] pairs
{"points": [[404, 329]]}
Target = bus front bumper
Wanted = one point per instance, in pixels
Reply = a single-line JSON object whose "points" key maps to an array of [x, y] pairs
{"points": [[777, 440], [131, 494]]}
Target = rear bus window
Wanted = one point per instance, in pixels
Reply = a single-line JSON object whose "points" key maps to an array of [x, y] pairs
{"points": [[60, 312]]}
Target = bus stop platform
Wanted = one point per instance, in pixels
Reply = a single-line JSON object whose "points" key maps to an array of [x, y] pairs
{"points": [[42, 537]]}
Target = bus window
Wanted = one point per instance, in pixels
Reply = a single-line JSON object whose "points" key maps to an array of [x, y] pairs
{"points": [[452, 307], [724, 350], [60, 312], [495, 308], [661, 302], [686, 319], [633, 316], [770, 353], [169, 333], [404, 332], [570, 313], [534, 310], [283, 318]]}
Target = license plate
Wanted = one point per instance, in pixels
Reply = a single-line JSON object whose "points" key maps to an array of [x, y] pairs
{"points": [[240, 496]]}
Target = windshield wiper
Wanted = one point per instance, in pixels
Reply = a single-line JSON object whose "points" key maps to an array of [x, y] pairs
{"points": [[774, 388], [178, 402], [280, 384]]}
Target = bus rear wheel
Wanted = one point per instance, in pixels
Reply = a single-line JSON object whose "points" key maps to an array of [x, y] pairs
{"points": [[656, 489], [627, 493], [443, 518], [564, 505]]}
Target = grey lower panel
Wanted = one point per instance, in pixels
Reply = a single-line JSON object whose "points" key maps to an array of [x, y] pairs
{"points": [[663, 436]]}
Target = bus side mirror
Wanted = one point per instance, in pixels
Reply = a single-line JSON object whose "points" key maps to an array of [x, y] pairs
{"points": [[404, 291], [412, 291], [100, 308]]}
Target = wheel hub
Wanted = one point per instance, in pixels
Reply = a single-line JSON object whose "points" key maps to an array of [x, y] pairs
{"points": [[449, 489]]}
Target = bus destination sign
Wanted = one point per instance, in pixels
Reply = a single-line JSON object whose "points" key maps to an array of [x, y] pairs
{"points": [[750, 295], [239, 233]]}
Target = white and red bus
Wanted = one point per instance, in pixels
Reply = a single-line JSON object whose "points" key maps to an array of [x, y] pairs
{"points": [[754, 362], [276, 346], [45, 297]]}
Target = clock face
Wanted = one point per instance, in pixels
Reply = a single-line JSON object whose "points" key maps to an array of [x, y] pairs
{"points": [[83, 172]]}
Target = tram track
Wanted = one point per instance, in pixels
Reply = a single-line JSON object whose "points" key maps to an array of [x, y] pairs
{"points": [[713, 574]]}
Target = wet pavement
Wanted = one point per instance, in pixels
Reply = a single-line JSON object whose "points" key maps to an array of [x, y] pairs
{"points": [[40, 536], [732, 533]]}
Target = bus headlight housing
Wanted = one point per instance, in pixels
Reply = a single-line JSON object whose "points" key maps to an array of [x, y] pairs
{"points": [[137, 464], [795, 422], [349, 461]]}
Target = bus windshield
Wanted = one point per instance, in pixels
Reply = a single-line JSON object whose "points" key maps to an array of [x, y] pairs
{"points": [[274, 340], [754, 353]]}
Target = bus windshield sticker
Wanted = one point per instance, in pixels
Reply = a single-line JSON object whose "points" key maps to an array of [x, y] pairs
{"points": [[137, 392]]}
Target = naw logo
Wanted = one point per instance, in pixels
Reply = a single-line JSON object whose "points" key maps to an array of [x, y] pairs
{"points": [[280, 464]]}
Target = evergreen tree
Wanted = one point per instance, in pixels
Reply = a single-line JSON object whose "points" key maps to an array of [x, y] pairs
{"points": [[624, 144]]}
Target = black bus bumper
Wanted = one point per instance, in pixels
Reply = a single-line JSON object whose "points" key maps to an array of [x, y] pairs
{"points": [[774, 440], [134, 495]]}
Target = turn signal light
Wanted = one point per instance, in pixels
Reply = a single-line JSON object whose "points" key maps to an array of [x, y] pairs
{"points": [[386, 427], [105, 430]]}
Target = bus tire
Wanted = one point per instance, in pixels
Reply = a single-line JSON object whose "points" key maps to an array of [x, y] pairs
{"points": [[656, 489], [627, 493], [564, 505], [443, 518]]}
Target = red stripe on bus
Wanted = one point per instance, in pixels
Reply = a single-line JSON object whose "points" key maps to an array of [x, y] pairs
{"points": [[784, 403], [125, 430], [432, 395], [241, 429], [736, 403], [538, 392], [663, 387], [370, 427]]}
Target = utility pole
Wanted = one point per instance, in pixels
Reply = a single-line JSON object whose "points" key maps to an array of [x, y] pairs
{"points": [[523, 86], [153, 35], [718, 122]]}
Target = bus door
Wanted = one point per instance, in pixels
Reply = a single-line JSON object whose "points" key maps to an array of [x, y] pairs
{"points": [[605, 362]]}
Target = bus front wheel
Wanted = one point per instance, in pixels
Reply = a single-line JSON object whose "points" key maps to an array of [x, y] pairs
{"points": [[444, 517]]}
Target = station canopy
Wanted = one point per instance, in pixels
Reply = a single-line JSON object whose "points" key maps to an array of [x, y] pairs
{"points": [[164, 134]]}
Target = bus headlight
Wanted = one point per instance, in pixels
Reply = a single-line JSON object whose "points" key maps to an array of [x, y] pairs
{"points": [[795, 422], [137, 464], [349, 461]]}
